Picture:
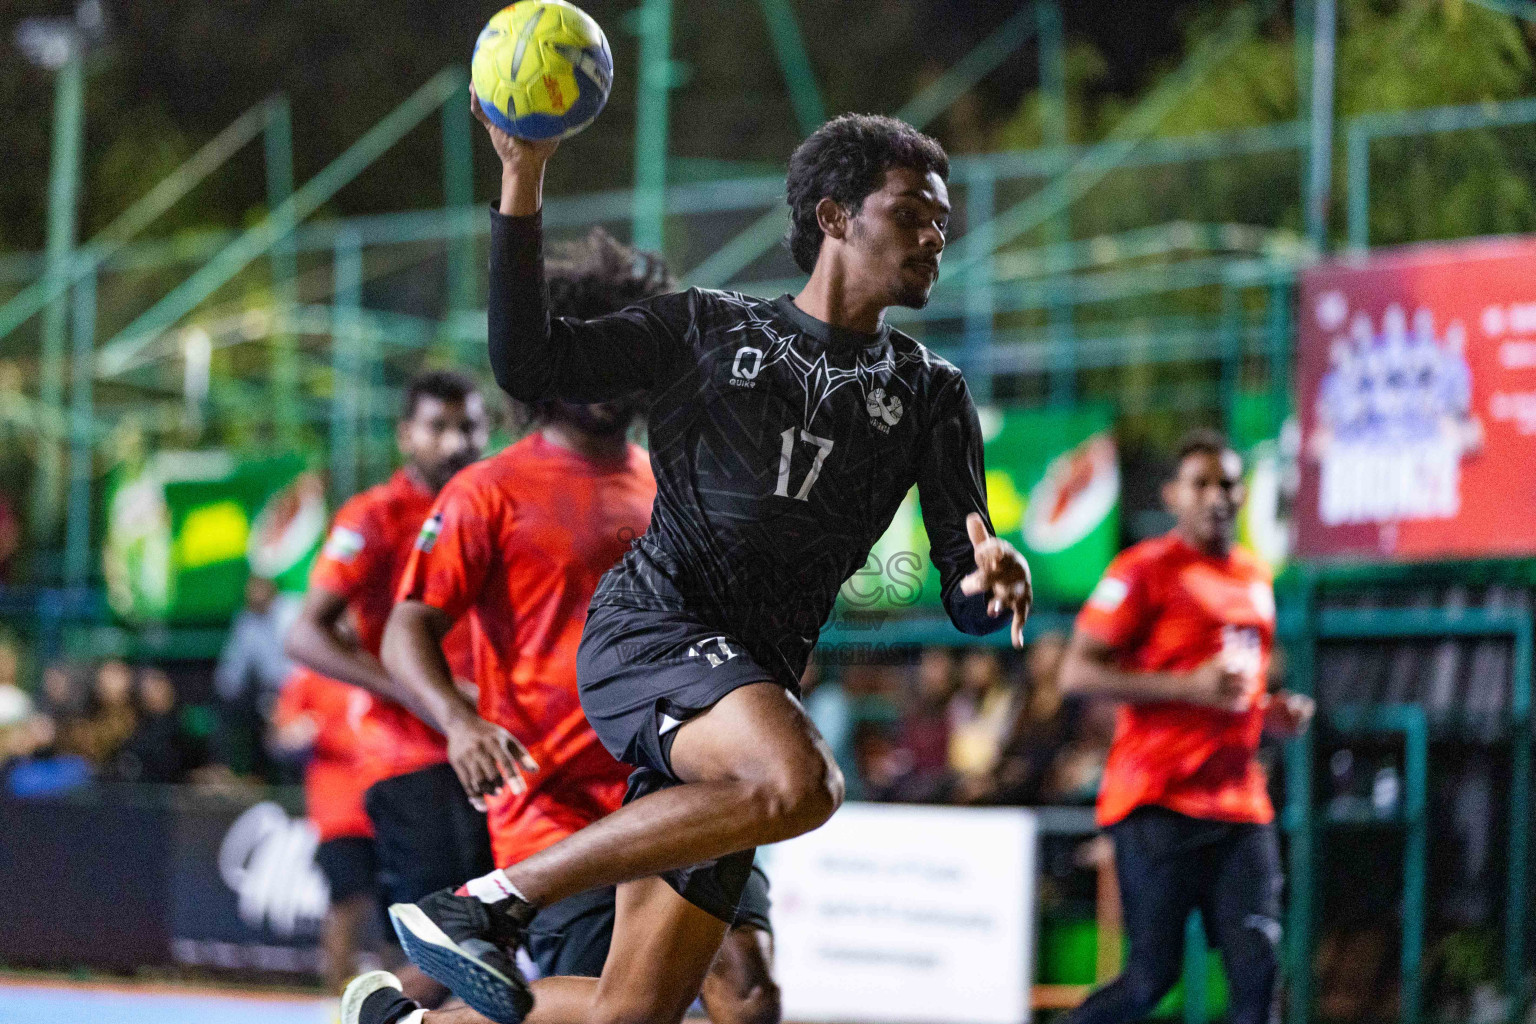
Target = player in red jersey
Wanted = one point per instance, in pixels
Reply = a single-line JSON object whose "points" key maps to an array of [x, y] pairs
{"points": [[1181, 629], [427, 834], [518, 545], [320, 717]]}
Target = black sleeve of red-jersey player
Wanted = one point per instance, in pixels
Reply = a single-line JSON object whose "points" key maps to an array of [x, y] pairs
{"points": [[535, 356], [951, 484]]}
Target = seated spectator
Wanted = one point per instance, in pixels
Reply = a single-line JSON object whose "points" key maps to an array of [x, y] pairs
{"points": [[15, 703], [61, 697], [923, 731], [157, 751], [40, 768], [883, 768], [1044, 724], [1075, 773], [978, 718], [110, 718], [249, 676]]}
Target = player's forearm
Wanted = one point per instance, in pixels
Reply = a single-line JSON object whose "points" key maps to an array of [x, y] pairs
{"points": [[1088, 677], [316, 647], [413, 655]]}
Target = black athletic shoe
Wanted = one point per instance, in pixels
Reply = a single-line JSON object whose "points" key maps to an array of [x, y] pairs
{"points": [[375, 998], [471, 947]]}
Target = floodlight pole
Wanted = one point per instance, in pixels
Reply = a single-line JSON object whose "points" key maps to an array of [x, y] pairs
{"points": [[63, 187], [651, 114], [1320, 159]]}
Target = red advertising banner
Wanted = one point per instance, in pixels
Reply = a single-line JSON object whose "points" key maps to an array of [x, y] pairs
{"points": [[1417, 390]]}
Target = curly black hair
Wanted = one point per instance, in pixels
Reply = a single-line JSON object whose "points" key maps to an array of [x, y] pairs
{"points": [[593, 277], [845, 160], [599, 275]]}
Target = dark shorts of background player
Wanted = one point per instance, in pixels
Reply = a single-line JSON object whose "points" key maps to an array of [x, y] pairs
{"points": [[350, 865], [571, 938], [640, 673], [428, 836]]}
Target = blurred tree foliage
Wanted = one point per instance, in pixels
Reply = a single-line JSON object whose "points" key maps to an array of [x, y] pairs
{"points": [[1392, 55]]}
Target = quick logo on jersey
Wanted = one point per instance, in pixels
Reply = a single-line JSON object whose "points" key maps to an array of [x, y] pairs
{"points": [[430, 531], [1109, 594], [884, 410], [746, 366], [716, 650], [343, 544]]}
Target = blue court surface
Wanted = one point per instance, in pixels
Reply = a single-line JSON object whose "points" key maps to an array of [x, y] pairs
{"points": [[50, 1004]]}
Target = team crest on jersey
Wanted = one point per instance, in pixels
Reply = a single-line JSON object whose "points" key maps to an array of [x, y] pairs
{"points": [[343, 544], [430, 531], [884, 410], [716, 650], [746, 366]]}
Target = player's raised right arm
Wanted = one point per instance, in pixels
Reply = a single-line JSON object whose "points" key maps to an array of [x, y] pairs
{"points": [[532, 356]]}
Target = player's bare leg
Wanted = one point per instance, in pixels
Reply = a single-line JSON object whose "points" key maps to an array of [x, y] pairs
{"points": [[740, 988], [662, 952], [755, 770]]}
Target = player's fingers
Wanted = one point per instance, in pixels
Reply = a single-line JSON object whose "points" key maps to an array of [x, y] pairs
{"points": [[1017, 632], [520, 754], [975, 583], [476, 109], [976, 527], [464, 779]]}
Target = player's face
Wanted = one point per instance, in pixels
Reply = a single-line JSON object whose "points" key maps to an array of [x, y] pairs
{"points": [[1205, 495], [442, 438], [896, 240]]}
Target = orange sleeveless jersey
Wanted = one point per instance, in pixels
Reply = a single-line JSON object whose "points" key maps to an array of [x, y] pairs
{"points": [[1164, 606], [521, 541]]}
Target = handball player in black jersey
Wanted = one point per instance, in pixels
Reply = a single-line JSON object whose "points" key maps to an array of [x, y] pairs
{"points": [[784, 433]]}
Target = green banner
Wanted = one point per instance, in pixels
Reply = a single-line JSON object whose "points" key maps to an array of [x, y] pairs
{"points": [[186, 530], [1053, 489]]}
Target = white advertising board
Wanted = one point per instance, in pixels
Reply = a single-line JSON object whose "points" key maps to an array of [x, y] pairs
{"points": [[892, 914]]}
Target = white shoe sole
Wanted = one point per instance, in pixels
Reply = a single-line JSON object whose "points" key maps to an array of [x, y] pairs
{"points": [[359, 989], [485, 989]]}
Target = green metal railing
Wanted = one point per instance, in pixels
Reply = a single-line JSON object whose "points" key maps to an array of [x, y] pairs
{"points": [[1362, 131], [1314, 626]]}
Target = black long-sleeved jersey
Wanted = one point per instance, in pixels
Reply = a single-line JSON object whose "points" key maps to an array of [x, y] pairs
{"points": [[781, 447]]}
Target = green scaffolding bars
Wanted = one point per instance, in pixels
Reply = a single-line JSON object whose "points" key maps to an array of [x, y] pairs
{"points": [[123, 352], [1406, 624], [63, 183], [651, 119], [1362, 131]]}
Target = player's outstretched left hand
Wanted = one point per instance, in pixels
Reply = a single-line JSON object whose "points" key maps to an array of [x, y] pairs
{"points": [[1002, 574]]}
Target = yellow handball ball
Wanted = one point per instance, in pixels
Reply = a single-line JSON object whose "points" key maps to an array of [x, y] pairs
{"points": [[542, 69]]}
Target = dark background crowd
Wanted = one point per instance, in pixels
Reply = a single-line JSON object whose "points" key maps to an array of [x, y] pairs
{"points": [[931, 725]]}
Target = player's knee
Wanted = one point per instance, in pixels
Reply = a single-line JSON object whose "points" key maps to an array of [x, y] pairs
{"points": [[797, 798], [762, 1005]]}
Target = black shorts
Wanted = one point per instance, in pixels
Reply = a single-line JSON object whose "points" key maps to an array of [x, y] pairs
{"points": [[571, 938], [428, 836], [643, 673], [350, 866]]}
